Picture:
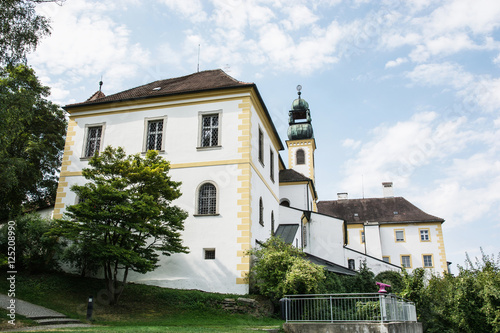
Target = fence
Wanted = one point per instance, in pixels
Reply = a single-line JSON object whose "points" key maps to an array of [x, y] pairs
{"points": [[347, 307]]}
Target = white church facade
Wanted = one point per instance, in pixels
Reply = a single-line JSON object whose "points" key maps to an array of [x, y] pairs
{"points": [[221, 142]]}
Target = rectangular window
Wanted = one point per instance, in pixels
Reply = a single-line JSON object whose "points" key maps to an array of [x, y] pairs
{"points": [[155, 135], [93, 141], [362, 236], [261, 146], [387, 259], [406, 261], [209, 254], [210, 130], [400, 235], [424, 235], [271, 164], [427, 259]]}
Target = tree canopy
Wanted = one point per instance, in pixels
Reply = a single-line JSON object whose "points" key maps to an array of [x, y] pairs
{"points": [[125, 216], [281, 269], [31, 141], [21, 29]]}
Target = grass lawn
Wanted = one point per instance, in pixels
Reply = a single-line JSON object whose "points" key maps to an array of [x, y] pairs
{"points": [[141, 308]]}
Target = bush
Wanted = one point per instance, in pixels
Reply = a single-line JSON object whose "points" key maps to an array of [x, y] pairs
{"points": [[280, 269], [468, 302], [392, 278], [36, 251]]}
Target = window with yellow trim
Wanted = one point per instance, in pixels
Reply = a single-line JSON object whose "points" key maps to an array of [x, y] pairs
{"points": [[399, 235], [387, 259], [425, 235], [406, 261], [427, 260]]}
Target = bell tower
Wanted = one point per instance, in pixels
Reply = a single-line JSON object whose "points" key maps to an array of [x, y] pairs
{"points": [[301, 144]]}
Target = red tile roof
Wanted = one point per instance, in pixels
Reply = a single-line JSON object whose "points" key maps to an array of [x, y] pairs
{"points": [[196, 82], [382, 210]]}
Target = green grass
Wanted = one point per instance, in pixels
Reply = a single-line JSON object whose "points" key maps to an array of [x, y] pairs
{"points": [[20, 321], [141, 308]]}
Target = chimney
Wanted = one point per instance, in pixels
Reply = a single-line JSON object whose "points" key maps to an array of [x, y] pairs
{"points": [[388, 190], [342, 196]]}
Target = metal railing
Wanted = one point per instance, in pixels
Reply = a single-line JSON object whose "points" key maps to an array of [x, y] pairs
{"points": [[347, 307]]}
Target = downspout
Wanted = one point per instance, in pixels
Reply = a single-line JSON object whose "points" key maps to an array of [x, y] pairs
{"points": [[364, 235], [307, 196]]}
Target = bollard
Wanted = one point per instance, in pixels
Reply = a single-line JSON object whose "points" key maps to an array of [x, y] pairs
{"points": [[90, 308]]}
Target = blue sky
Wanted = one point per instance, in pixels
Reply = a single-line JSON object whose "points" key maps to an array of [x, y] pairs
{"points": [[401, 91]]}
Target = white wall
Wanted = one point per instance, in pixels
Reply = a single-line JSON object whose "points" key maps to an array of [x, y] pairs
{"points": [[292, 216], [326, 238], [192, 167], [412, 245], [262, 186], [298, 195], [375, 265]]}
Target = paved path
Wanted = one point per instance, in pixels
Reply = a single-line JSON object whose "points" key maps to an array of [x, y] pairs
{"points": [[47, 318]]}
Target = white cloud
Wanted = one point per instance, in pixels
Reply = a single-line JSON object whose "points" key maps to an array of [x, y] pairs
{"points": [[86, 43], [445, 74], [395, 63], [477, 92], [395, 153], [351, 143], [191, 9], [479, 16], [298, 17]]}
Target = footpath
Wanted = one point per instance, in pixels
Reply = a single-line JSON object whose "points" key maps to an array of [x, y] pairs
{"points": [[46, 318]]}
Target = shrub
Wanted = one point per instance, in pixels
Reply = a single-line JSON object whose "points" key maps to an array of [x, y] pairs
{"points": [[281, 269], [36, 251]]}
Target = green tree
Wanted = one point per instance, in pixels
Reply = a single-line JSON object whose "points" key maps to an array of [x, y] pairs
{"points": [[414, 289], [124, 217], [279, 269], [35, 250], [362, 282], [21, 28], [31, 141], [392, 278], [468, 302]]}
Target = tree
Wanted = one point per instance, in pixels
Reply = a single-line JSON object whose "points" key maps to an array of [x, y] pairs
{"points": [[20, 29], [31, 141], [124, 217], [281, 269], [35, 250], [468, 302], [392, 278]]}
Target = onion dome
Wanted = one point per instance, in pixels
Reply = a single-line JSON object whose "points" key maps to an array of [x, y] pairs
{"points": [[299, 119]]}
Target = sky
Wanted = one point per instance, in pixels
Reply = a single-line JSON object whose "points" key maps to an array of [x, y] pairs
{"points": [[400, 91]]}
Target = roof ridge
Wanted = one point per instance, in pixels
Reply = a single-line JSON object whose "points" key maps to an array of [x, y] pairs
{"points": [[232, 78], [198, 81]]}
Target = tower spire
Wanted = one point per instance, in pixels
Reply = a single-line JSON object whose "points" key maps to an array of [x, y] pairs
{"points": [[301, 144]]}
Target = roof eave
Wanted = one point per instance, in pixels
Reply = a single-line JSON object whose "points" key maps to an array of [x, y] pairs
{"points": [[84, 104]]}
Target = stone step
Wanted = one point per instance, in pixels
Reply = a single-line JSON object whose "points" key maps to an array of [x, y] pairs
{"points": [[57, 321], [46, 317]]}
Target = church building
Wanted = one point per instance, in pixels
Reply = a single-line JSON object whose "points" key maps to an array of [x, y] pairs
{"points": [[221, 143]]}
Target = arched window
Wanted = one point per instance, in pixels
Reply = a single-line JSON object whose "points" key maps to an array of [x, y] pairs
{"points": [[261, 212], [300, 155], [207, 199], [285, 203]]}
